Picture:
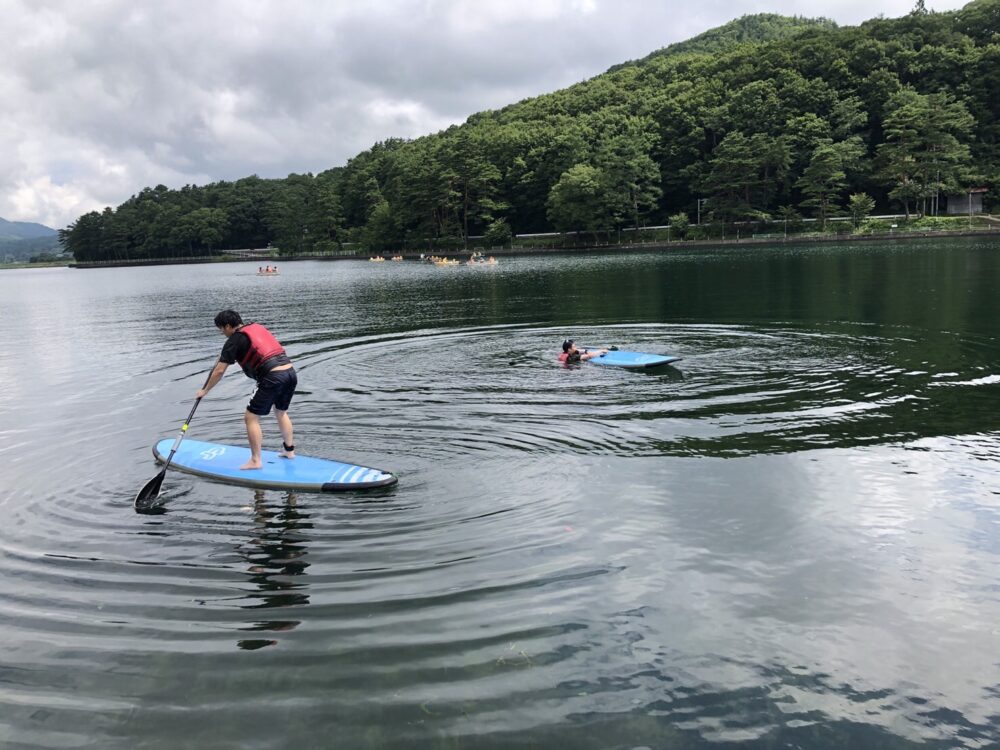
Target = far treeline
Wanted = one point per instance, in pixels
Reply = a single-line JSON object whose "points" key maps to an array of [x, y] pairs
{"points": [[767, 118]]}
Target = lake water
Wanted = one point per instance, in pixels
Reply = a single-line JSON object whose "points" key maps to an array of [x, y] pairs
{"points": [[791, 539]]}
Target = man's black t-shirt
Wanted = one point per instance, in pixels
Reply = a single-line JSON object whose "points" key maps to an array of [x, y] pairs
{"points": [[235, 348]]}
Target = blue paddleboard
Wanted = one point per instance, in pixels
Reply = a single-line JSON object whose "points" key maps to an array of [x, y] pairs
{"points": [[633, 360], [222, 462]]}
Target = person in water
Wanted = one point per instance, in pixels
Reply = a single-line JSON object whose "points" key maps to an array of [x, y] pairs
{"points": [[264, 360], [572, 355]]}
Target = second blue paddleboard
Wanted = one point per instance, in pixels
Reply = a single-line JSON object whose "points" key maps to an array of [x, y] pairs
{"points": [[633, 360]]}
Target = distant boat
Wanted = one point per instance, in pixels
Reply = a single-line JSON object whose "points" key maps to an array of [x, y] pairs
{"points": [[377, 259]]}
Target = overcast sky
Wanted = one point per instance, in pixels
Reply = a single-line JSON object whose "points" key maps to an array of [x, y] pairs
{"points": [[104, 97]]}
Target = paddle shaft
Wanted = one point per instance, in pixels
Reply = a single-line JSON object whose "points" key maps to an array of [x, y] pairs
{"points": [[184, 427], [180, 437], [151, 490]]}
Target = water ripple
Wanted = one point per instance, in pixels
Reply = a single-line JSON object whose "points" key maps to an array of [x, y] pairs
{"points": [[790, 538]]}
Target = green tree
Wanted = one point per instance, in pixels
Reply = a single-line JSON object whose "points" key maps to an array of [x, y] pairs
{"points": [[924, 149], [82, 237], [680, 222], [630, 176], [826, 176], [498, 234], [160, 240], [209, 225], [476, 178], [421, 190], [860, 205], [744, 173], [577, 201], [381, 232], [245, 203], [114, 238], [287, 214], [947, 157], [804, 133], [756, 107], [324, 217], [369, 166], [550, 149], [788, 217]]}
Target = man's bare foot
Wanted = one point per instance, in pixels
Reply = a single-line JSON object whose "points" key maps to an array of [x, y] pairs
{"points": [[251, 464], [287, 451]]}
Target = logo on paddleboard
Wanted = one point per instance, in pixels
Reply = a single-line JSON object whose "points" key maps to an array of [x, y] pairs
{"points": [[214, 452]]}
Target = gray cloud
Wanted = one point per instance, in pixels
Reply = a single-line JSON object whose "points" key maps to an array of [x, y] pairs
{"points": [[106, 98]]}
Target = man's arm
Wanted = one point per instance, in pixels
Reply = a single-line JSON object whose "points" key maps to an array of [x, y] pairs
{"points": [[217, 372], [590, 355]]}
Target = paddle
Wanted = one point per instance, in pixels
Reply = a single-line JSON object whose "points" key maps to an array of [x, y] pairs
{"points": [[146, 499]]}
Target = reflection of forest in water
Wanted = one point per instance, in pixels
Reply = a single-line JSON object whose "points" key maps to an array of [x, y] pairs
{"points": [[277, 556]]}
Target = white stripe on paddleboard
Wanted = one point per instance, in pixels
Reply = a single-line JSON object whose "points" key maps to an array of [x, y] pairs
{"points": [[344, 474], [335, 477]]}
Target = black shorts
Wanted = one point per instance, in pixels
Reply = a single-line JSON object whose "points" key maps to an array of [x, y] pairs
{"points": [[274, 389]]}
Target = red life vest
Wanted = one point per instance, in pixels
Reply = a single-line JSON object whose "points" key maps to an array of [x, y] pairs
{"points": [[263, 347], [564, 356]]}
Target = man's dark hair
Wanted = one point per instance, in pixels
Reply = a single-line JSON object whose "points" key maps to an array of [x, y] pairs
{"points": [[228, 318], [567, 344]]}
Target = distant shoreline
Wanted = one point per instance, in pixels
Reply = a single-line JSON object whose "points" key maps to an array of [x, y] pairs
{"points": [[528, 250]]}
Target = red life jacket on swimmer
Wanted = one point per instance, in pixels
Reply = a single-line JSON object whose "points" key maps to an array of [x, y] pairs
{"points": [[263, 348]]}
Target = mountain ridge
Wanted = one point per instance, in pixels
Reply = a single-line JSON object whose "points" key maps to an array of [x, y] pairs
{"points": [[20, 240], [753, 28], [23, 230]]}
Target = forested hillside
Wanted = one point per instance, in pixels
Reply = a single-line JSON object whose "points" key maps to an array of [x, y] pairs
{"points": [[19, 240], [766, 117]]}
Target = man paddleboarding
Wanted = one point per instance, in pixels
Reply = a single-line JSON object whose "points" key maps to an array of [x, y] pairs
{"points": [[264, 360]]}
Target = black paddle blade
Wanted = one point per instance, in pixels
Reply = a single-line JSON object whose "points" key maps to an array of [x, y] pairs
{"points": [[146, 499]]}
